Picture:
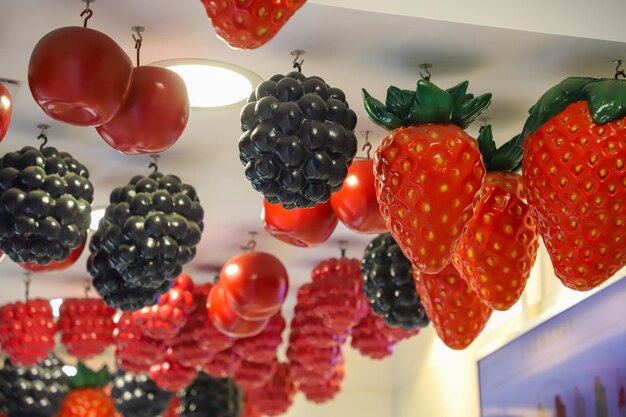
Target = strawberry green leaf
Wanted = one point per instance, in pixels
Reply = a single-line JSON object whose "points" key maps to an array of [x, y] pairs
{"points": [[86, 378], [469, 111], [431, 104], [505, 158], [458, 93], [607, 100], [399, 101], [378, 114], [486, 145]]}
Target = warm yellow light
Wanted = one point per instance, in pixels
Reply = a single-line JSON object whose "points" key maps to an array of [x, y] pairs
{"points": [[213, 84]]}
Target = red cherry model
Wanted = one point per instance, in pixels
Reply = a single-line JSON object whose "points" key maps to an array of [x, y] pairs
{"points": [[355, 203], [54, 265], [227, 321], [255, 284], [154, 115], [6, 109], [79, 76], [305, 228]]}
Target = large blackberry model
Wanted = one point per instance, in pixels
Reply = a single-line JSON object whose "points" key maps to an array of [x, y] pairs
{"points": [[298, 140], [389, 286], [149, 231], [138, 396], [45, 204], [34, 391], [208, 396]]}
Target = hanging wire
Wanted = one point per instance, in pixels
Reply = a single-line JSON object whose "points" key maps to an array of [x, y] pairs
{"points": [[297, 54], [138, 39], [426, 68], [251, 245], [367, 146], [42, 135], [155, 162], [87, 287], [27, 281], [343, 247], [619, 73], [87, 13]]}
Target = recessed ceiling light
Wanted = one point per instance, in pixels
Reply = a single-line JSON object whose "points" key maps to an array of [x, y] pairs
{"points": [[213, 84]]}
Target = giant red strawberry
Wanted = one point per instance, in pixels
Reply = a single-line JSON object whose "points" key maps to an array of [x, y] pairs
{"points": [[27, 331], [248, 24], [134, 351], [454, 309], [88, 396], [428, 170], [499, 248], [86, 326], [574, 177], [165, 319]]}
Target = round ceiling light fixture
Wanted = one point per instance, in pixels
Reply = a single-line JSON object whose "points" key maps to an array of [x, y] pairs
{"points": [[213, 84]]}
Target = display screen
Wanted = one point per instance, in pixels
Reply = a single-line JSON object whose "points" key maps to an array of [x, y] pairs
{"points": [[573, 365]]}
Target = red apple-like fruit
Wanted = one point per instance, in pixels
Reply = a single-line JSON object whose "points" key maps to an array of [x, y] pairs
{"points": [[54, 265], [255, 284], [355, 203], [226, 320], [79, 76], [6, 109], [305, 228], [154, 115]]}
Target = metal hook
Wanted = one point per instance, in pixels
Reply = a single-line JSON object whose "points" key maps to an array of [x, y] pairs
{"points": [[155, 162], [367, 146], [343, 247], [42, 135], [251, 246], [27, 281], [619, 73], [138, 39], [87, 11], [297, 53], [87, 286], [426, 67]]}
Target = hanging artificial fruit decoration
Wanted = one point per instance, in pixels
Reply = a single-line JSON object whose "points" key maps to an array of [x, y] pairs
{"points": [[306, 227], [428, 170], [573, 176], [138, 396], [78, 75], [249, 24], [149, 231], [57, 265], [45, 204], [87, 396], [298, 139], [499, 248], [6, 110], [155, 113], [355, 203]]}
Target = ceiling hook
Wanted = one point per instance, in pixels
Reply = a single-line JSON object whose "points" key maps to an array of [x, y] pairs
{"points": [[343, 247], [367, 146], [27, 281], [619, 73], [297, 53], [426, 68], [42, 134], [87, 13], [155, 162], [138, 39]]}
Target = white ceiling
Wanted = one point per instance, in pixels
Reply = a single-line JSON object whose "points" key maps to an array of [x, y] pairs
{"points": [[364, 43]]}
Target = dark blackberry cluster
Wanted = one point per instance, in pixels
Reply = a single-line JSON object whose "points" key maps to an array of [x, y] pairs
{"points": [[389, 286], [138, 396], [298, 140], [149, 231], [34, 391], [208, 396], [45, 204]]}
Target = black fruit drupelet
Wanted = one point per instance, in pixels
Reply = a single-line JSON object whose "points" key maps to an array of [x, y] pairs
{"points": [[138, 396], [149, 231], [389, 285], [208, 396], [298, 140], [34, 391], [45, 204]]}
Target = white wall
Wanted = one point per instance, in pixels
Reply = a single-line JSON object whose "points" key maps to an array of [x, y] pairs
{"points": [[440, 382]]}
